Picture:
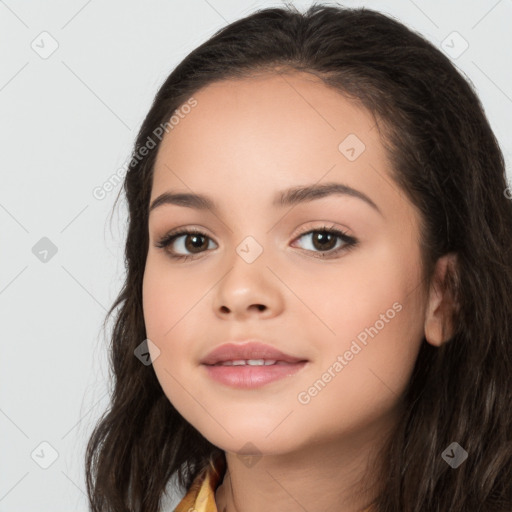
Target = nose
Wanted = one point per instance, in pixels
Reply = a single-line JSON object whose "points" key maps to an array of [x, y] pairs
{"points": [[248, 290]]}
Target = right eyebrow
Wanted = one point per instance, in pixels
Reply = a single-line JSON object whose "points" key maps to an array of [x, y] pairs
{"points": [[188, 200]]}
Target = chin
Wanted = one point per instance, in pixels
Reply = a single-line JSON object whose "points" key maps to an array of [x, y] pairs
{"points": [[250, 440]]}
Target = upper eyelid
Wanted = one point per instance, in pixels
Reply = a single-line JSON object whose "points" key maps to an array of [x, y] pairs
{"points": [[339, 232], [349, 242], [179, 232]]}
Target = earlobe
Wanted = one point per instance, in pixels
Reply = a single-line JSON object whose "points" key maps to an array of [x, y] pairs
{"points": [[441, 304]]}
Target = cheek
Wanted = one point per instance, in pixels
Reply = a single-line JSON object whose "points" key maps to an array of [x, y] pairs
{"points": [[366, 366], [366, 291], [168, 297], [163, 307], [370, 314], [170, 305]]}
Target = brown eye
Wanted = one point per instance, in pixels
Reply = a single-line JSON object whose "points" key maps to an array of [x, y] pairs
{"points": [[194, 242], [323, 240], [184, 244]]}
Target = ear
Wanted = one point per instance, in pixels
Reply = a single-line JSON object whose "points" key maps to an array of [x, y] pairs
{"points": [[439, 326]]}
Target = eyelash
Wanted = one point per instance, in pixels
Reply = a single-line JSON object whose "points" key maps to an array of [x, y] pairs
{"points": [[169, 238]]}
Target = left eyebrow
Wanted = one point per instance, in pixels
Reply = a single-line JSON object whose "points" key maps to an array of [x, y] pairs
{"points": [[297, 195], [291, 196]]}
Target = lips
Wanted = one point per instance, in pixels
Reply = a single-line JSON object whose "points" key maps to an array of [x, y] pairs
{"points": [[252, 350]]}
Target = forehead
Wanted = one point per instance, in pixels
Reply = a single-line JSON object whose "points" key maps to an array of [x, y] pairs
{"points": [[270, 131]]}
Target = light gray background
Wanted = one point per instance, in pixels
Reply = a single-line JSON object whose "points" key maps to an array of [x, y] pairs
{"points": [[67, 124]]}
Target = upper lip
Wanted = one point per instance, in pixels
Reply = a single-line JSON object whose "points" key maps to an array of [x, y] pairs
{"points": [[249, 350]]}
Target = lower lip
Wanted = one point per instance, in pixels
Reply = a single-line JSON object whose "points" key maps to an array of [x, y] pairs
{"points": [[249, 377]]}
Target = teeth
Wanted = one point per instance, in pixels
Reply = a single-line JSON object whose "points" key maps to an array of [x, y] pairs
{"points": [[249, 362]]}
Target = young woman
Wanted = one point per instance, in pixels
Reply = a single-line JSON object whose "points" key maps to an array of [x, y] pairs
{"points": [[317, 309]]}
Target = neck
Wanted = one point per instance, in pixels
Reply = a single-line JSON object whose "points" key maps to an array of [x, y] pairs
{"points": [[339, 476]]}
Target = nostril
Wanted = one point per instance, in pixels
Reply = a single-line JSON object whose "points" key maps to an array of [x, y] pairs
{"points": [[260, 307]]}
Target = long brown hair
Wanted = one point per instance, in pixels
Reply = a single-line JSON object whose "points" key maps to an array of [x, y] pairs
{"points": [[447, 161]]}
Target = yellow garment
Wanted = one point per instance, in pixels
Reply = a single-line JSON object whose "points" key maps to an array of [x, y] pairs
{"points": [[201, 494]]}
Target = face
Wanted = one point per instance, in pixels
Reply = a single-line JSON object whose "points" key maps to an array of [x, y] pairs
{"points": [[350, 305]]}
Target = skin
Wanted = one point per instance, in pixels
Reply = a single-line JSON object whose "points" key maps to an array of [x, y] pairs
{"points": [[244, 141]]}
